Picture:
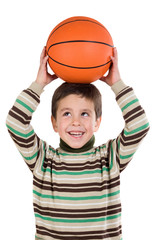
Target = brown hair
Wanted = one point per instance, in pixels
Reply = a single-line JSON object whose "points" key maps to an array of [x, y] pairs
{"points": [[89, 91]]}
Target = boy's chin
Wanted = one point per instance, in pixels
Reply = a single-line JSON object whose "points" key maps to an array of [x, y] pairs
{"points": [[76, 142]]}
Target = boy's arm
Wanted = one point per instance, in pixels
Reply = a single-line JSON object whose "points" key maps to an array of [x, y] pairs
{"points": [[19, 127], [136, 124], [20, 115]]}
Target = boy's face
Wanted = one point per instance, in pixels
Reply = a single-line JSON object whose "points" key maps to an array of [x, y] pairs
{"points": [[76, 120]]}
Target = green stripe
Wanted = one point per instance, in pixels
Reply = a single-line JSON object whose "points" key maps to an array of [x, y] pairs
{"points": [[137, 129], [38, 237], [129, 104], [76, 198], [126, 156], [78, 220], [24, 105], [77, 173], [25, 135], [111, 165], [30, 158], [118, 144]]}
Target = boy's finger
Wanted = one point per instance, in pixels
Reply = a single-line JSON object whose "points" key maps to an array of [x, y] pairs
{"points": [[44, 60], [43, 53], [115, 53]]}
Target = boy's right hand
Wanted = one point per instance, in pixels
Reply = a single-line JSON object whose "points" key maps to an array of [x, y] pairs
{"points": [[43, 77]]}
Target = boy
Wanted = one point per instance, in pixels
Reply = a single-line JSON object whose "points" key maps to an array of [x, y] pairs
{"points": [[76, 188]]}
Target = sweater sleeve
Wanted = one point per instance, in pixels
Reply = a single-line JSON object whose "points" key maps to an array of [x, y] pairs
{"points": [[136, 124], [19, 127]]}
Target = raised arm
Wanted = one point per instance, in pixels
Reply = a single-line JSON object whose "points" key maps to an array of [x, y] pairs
{"points": [[136, 123], [20, 115]]}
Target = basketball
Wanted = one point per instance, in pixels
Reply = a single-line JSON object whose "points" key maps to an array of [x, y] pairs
{"points": [[79, 50]]}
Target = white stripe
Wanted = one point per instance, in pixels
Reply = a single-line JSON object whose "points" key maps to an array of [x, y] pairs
{"points": [[77, 179], [20, 127], [77, 227], [76, 158], [76, 204], [128, 150], [126, 99], [28, 100], [137, 122], [28, 152]]}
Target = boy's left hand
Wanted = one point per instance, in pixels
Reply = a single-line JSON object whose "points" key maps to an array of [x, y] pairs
{"points": [[113, 75]]}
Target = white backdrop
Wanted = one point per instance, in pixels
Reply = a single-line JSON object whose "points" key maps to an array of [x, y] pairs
{"points": [[134, 26]]}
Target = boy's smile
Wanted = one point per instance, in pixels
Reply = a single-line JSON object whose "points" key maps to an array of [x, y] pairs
{"points": [[76, 120]]}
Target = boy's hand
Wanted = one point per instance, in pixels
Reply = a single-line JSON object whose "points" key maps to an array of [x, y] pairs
{"points": [[43, 77], [113, 75]]}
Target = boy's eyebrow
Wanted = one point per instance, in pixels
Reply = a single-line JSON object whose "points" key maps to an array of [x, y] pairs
{"points": [[82, 110], [86, 110], [65, 109]]}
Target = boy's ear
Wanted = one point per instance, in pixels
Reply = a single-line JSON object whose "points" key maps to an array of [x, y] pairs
{"points": [[97, 123], [54, 124]]}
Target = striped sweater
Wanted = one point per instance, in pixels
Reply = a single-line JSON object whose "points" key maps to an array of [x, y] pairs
{"points": [[77, 195]]}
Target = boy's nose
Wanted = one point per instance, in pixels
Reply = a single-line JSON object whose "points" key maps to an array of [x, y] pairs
{"points": [[76, 122]]}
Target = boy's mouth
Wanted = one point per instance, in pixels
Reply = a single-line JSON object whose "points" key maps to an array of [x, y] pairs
{"points": [[76, 134]]}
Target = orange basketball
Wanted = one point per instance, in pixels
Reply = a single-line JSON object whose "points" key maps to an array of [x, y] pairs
{"points": [[79, 50]]}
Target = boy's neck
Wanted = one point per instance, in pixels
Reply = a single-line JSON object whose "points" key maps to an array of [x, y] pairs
{"points": [[85, 148]]}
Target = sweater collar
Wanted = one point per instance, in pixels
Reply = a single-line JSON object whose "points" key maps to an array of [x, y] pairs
{"points": [[84, 148]]}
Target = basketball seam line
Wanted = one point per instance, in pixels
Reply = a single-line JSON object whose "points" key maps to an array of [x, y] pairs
{"points": [[79, 67], [76, 21], [72, 41]]}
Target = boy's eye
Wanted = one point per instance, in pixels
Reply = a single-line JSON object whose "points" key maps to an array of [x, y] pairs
{"points": [[85, 114], [66, 114]]}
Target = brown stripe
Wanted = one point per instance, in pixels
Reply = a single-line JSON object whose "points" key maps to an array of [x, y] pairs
{"points": [[23, 145], [31, 166], [75, 235], [98, 165], [123, 89], [123, 93], [135, 116], [77, 216], [90, 184], [134, 136], [77, 210], [132, 142], [17, 117], [22, 140], [32, 94], [128, 114], [18, 111], [93, 189], [123, 166], [83, 164], [82, 233]]}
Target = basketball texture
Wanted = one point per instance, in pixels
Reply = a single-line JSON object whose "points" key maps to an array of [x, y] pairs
{"points": [[79, 50]]}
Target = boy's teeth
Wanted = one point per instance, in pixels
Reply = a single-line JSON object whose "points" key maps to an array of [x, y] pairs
{"points": [[76, 133]]}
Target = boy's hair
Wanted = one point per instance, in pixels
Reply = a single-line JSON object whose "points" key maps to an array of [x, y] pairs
{"points": [[89, 91]]}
